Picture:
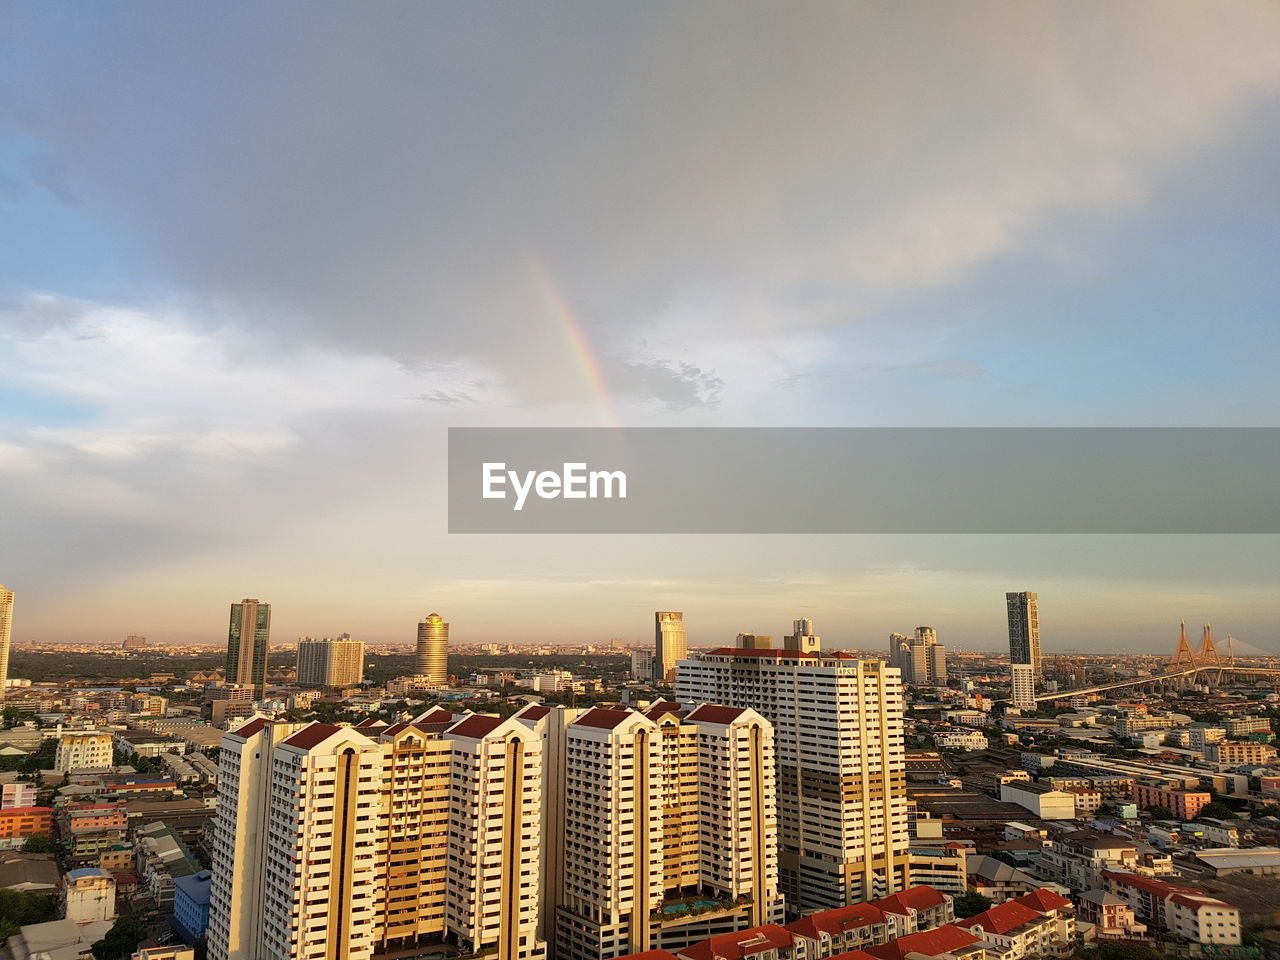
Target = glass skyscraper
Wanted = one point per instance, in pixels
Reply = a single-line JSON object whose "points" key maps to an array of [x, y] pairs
{"points": [[248, 639]]}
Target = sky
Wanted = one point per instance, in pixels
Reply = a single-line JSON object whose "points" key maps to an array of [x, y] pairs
{"points": [[255, 260]]}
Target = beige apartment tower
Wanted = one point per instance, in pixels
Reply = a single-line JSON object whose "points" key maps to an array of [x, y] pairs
{"points": [[6, 629], [670, 644], [841, 765], [432, 653], [332, 663]]}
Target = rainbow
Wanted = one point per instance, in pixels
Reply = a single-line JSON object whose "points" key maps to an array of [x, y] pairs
{"points": [[584, 355]]}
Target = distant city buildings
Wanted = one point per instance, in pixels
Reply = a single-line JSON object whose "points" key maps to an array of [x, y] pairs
{"points": [[671, 645], [248, 643], [6, 630], [802, 638], [642, 665], [841, 765], [134, 642], [431, 657], [921, 658], [1024, 629], [332, 663]]}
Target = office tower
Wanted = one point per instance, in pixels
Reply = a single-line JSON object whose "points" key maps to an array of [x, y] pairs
{"points": [[754, 641], [432, 655], [134, 642], [248, 640], [6, 627], [641, 664], [670, 645], [1022, 679], [841, 765], [332, 663], [802, 638], [339, 842], [1024, 629], [699, 782], [921, 658]]}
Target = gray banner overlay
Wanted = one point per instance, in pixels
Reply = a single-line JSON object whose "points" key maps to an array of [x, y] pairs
{"points": [[864, 480]]}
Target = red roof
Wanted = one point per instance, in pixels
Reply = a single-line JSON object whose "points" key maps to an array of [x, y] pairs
{"points": [[477, 726], [1147, 884], [744, 943], [930, 943], [650, 955], [368, 722], [1199, 901], [438, 715], [249, 729], [749, 652], [312, 735], [395, 728], [603, 718], [710, 713], [1046, 901], [854, 955], [913, 898], [832, 922], [661, 709], [1004, 917], [536, 711]]}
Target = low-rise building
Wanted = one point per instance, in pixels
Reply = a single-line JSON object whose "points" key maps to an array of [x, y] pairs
{"points": [[1183, 804], [191, 904], [1041, 799], [1112, 916], [88, 894], [1178, 910], [19, 823], [1237, 752], [90, 750], [19, 793]]}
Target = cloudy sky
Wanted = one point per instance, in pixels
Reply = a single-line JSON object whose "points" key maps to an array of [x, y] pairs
{"points": [[255, 259]]}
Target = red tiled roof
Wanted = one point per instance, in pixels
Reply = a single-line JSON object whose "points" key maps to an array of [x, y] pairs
{"points": [[654, 711], [735, 946], [475, 726], [438, 715], [603, 718], [250, 728], [929, 943], [536, 711], [368, 722], [915, 898], [748, 652], [854, 955], [710, 713], [395, 728], [1003, 917], [650, 955], [1046, 901], [1148, 884], [832, 922], [1199, 901], [312, 735]]}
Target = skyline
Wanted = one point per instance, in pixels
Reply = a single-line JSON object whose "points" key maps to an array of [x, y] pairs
{"points": [[257, 264]]}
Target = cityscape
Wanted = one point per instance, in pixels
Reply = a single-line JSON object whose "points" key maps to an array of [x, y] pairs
{"points": [[676, 480], [672, 801]]}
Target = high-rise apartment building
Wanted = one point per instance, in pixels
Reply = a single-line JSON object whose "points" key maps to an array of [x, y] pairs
{"points": [[641, 664], [1024, 629], [432, 654], [332, 662], [841, 765], [6, 628], [248, 641], [134, 642], [1022, 680], [670, 646], [332, 843], [646, 810], [921, 658]]}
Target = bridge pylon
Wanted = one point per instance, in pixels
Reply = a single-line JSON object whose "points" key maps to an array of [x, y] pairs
{"points": [[1183, 657]]}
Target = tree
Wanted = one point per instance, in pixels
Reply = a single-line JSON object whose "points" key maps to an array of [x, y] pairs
{"points": [[18, 908], [1218, 811], [1159, 813], [121, 940], [39, 843], [971, 904]]}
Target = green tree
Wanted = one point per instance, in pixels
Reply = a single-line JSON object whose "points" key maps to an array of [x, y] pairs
{"points": [[17, 909], [39, 843], [121, 940], [1159, 813], [1218, 810], [970, 904]]}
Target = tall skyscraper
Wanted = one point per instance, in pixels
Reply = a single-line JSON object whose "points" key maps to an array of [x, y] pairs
{"points": [[921, 658], [248, 640], [841, 765], [6, 628], [330, 662], [670, 645], [1024, 629], [432, 659]]}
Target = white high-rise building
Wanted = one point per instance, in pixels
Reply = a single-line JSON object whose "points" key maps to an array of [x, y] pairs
{"points": [[331, 662], [1022, 678], [6, 630], [841, 765]]}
